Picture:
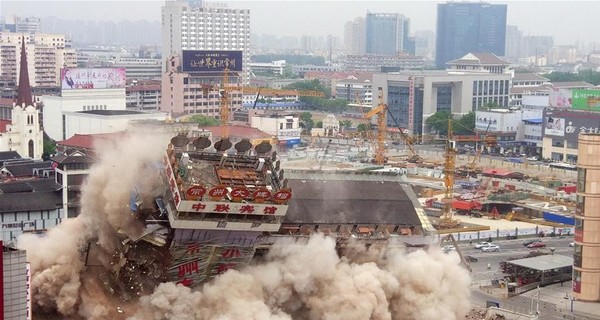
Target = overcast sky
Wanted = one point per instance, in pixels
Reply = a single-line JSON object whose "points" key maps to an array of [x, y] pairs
{"points": [[567, 21]]}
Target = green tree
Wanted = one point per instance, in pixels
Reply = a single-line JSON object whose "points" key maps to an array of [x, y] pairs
{"points": [[361, 127], [306, 121], [345, 124], [319, 124], [49, 147], [466, 124], [439, 121], [203, 121]]}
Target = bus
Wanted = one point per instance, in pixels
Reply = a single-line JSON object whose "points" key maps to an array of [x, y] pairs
{"points": [[562, 165]]}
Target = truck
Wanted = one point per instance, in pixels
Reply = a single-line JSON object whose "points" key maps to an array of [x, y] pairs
{"points": [[464, 207]]}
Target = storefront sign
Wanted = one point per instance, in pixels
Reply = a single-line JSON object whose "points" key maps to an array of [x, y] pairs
{"points": [[232, 208]]}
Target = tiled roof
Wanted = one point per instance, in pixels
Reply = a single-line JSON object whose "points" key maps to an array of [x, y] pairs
{"points": [[528, 76], [6, 102], [29, 201], [3, 124], [480, 58], [26, 169], [572, 84], [35, 185], [9, 155], [86, 141], [142, 87]]}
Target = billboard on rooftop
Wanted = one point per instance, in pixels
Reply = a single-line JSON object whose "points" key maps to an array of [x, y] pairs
{"points": [[92, 78], [211, 61], [588, 100]]}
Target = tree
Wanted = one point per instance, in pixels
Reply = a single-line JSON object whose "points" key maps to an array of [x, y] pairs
{"points": [[361, 127], [203, 121], [319, 124], [439, 121], [345, 124], [306, 121], [49, 147], [466, 124]]}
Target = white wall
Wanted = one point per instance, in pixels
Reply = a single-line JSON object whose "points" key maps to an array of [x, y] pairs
{"points": [[84, 123], [75, 100]]}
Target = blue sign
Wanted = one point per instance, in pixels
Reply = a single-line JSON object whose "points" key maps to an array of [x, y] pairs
{"points": [[292, 142], [211, 61]]}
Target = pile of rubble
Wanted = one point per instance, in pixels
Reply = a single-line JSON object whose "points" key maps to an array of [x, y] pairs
{"points": [[482, 314]]}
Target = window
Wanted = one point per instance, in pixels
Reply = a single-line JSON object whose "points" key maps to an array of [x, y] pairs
{"points": [[581, 173], [560, 143], [577, 254], [579, 224]]}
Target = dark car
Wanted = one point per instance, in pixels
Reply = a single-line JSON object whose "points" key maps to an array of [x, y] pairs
{"points": [[470, 259], [528, 242], [536, 245]]}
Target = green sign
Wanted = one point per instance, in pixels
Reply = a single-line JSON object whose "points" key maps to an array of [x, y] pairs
{"points": [[586, 100]]}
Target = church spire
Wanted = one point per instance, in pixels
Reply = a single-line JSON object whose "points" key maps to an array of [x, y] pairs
{"points": [[24, 93]]}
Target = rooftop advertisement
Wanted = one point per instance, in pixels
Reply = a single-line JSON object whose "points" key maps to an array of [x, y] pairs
{"points": [[588, 100], [211, 61], [92, 78], [568, 124], [560, 98]]}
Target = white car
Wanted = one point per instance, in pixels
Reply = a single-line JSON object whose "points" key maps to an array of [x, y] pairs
{"points": [[448, 248], [490, 248], [481, 244], [572, 244]]}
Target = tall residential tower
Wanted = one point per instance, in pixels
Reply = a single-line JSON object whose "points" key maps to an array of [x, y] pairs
{"points": [[386, 33], [464, 27]]}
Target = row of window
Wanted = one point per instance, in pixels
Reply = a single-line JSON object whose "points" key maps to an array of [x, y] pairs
{"points": [[94, 107], [560, 143], [490, 87], [528, 137]]}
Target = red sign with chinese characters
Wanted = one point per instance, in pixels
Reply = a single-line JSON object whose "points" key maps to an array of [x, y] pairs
{"points": [[282, 196], [240, 193], [578, 235], [261, 194], [195, 192], [218, 192], [577, 286]]}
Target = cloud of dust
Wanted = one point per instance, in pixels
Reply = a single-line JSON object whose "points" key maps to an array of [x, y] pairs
{"points": [[307, 281], [59, 278]]}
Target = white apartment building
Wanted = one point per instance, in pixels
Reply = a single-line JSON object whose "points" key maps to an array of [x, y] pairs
{"points": [[104, 121], [194, 25], [136, 68], [46, 55], [143, 95], [27, 24]]}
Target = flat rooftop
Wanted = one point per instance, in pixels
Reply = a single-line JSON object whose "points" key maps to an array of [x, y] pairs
{"points": [[545, 262]]}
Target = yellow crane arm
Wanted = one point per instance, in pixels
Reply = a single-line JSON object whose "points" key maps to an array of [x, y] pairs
{"points": [[282, 92], [375, 111]]}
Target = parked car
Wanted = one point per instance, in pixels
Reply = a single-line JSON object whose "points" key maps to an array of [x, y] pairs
{"points": [[572, 244], [530, 241], [481, 244], [536, 244], [490, 247]]}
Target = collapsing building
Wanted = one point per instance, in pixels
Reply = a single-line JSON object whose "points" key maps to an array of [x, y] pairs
{"points": [[217, 210]]}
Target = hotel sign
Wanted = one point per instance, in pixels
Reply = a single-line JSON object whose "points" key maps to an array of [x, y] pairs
{"points": [[267, 209]]}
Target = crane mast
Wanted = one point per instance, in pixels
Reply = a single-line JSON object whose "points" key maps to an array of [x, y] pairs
{"points": [[380, 111], [224, 114], [447, 219]]}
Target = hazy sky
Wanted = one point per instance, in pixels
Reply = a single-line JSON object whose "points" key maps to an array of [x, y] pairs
{"points": [[567, 21]]}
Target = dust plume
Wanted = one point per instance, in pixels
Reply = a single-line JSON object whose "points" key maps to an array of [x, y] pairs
{"points": [[307, 280], [60, 281]]}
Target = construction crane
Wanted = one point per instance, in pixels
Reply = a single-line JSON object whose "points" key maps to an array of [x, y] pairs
{"points": [[224, 114], [447, 220], [380, 111], [486, 141], [408, 141]]}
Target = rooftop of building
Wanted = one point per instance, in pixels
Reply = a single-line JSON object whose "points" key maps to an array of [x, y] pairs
{"points": [[528, 76], [29, 201], [29, 185], [111, 112], [350, 202], [6, 102], [528, 89], [489, 59], [143, 87], [9, 155], [86, 141], [572, 84], [25, 169], [72, 156]]}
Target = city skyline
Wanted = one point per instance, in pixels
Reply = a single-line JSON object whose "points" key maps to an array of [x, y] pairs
{"points": [[547, 18]]}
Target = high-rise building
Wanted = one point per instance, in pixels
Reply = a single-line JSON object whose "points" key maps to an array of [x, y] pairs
{"points": [[354, 36], [513, 42], [464, 27], [46, 55], [194, 25], [27, 24], [386, 33], [535, 46], [586, 261]]}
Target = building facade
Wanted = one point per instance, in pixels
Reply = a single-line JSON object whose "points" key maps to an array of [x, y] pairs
{"points": [[561, 133], [103, 121], [286, 128], [464, 27], [137, 68], [15, 289], [143, 95], [375, 62], [194, 25], [412, 96], [586, 256], [46, 55], [23, 133], [354, 36], [386, 33]]}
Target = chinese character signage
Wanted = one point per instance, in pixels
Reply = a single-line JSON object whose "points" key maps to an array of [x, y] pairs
{"points": [[211, 61], [588, 100], [569, 124], [235, 207], [92, 78]]}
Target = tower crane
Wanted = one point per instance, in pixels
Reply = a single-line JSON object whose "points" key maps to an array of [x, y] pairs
{"points": [[414, 157], [380, 111], [447, 219]]}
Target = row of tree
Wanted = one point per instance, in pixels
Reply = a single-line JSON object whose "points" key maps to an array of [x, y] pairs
{"points": [[463, 125]]}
